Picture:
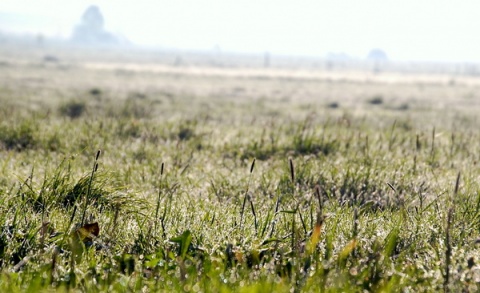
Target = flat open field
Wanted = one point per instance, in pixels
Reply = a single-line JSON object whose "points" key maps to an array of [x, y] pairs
{"points": [[237, 178]]}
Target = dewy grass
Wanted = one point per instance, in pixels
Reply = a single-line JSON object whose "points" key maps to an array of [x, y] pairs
{"points": [[280, 196]]}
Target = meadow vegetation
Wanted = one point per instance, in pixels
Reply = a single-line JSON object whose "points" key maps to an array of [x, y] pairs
{"points": [[235, 180]]}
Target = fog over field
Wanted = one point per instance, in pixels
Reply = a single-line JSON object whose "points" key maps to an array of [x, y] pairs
{"points": [[405, 30]]}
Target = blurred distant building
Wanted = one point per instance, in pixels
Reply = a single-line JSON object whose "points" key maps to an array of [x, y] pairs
{"points": [[91, 30]]}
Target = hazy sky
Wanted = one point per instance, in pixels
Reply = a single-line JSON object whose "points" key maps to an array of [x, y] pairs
{"points": [[433, 30]]}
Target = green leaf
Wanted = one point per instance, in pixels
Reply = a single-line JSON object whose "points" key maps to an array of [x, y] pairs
{"points": [[184, 240]]}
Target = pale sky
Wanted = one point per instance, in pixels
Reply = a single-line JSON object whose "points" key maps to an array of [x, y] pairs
{"points": [[407, 30]]}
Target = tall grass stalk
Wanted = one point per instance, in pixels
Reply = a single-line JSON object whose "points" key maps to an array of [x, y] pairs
{"points": [[448, 236], [159, 197], [448, 251], [246, 197], [391, 140], [89, 189]]}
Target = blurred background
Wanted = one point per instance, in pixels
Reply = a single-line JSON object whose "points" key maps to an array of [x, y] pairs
{"points": [[381, 35]]}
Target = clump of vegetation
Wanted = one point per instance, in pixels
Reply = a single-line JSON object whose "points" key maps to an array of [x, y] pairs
{"points": [[73, 109], [133, 108], [333, 105], [376, 100], [307, 141], [95, 92], [185, 133], [18, 137], [403, 107]]}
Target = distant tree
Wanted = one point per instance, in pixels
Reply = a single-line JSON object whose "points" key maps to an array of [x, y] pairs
{"points": [[93, 18], [91, 29], [377, 55]]}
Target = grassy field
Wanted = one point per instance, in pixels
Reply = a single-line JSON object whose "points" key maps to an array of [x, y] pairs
{"points": [[215, 179]]}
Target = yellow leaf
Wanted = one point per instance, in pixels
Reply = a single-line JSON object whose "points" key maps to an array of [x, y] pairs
{"points": [[87, 232], [315, 235], [347, 249]]}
